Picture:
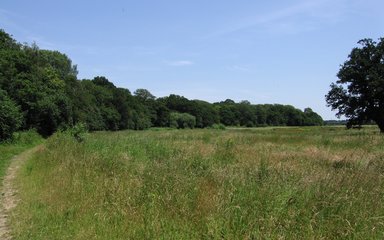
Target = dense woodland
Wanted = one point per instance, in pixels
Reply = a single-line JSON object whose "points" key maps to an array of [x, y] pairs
{"points": [[39, 89]]}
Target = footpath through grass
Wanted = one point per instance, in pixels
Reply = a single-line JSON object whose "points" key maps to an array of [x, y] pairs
{"points": [[292, 183], [21, 142]]}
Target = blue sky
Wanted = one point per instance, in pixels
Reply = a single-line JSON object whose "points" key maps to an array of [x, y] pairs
{"points": [[284, 52]]}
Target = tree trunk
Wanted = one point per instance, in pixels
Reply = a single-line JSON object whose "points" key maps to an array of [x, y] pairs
{"points": [[380, 123]]}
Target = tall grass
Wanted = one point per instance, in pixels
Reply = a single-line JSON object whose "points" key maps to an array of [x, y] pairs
{"points": [[20, 142], [294, 183]]}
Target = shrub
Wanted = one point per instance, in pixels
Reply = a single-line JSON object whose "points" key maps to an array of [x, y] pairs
{"points": [[78, 132], [29, 137], [182, 120]]}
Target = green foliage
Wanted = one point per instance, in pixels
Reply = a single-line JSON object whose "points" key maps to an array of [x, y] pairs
{"points": [[205, 113], [359, 92], [311, 118], [182, 120], [144, 95], [78, 132], [141, 120], [10, 116], [36, 79], [26, 138], [248, 115], [6, 41]]}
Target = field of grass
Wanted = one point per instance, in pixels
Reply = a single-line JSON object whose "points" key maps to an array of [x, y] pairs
{"points": [[21, 142], [276, 183]]}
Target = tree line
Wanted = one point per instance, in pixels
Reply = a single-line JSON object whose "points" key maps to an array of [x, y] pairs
{"points": [[39, 89]]}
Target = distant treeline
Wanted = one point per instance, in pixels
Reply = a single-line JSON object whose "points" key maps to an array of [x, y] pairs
{"points": [[348, 125], [335, 122], [39, 89]]}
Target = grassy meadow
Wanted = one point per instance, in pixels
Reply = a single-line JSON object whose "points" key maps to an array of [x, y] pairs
{"points": [[272, 183]]}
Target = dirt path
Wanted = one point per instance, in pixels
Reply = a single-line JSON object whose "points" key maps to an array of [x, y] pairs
{"points": [[9, 193]]}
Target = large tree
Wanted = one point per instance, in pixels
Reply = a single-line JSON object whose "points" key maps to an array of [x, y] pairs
{"points": [[358, 94]]}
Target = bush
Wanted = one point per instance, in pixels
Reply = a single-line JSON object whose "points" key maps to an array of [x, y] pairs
{"points": [[182, 120], [78, 131], [29, 137]]}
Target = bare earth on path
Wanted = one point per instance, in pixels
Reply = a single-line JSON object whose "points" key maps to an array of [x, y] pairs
{"points": [[9, 193]]}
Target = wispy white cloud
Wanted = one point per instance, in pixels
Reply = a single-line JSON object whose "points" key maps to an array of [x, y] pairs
{"points": [[180, 63], [301, 16]]}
